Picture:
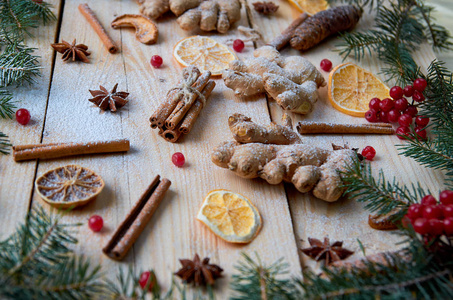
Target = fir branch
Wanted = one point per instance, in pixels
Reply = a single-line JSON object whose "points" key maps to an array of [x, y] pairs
{"points": [[18, 65], [260, 282], [6, 104], [4, 143]]}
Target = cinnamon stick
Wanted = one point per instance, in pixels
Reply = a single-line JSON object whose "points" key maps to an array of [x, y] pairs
{"points": [[194, 111], [134, 223], [90, 16], [314, 127], [183, 107], [171, 135], [283, 39], [49, 151]]}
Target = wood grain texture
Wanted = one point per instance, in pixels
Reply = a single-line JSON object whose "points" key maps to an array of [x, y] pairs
{"points": [[16, 180]]}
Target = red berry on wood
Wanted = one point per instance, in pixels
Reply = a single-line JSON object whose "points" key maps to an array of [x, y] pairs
{"points": [[418, 96], [23, 116], [428, 200], [436, 226], [147, 278], [156, 61], [448, 210], [238, 45], [95, 223], [446, 197], [408, 91], [421, 133], [387, 104], [178, 159], [394, 115], [371, 116], [421, 225], [326, 65], [448, 226], [384, 116], [369, 153], [411, 111], [374, 104], [401, 104], [415, 211], [403, 132], [405, 120], [432, 212], [421, 121], [420, 84], [396, 92]]}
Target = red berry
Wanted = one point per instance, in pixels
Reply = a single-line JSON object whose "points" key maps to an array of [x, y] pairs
{"points": [[95, 223], [178, 159], [421, 225], [156, 61], [405, 120], [429, 200], [415, 211], [394, 115], [420, 84], [238, 45], [421, 121], [448, 210], [411, 111], [396, 92], [436, 226], [374, 104], [384, 116], [448, 226], [401, 104], [408, 91], [23, 116], [387, 104], [326, 65], [418, 96], [403, 132], [432, 212], [371, 116], [421, 133], [147, 278], [368, 152], [446, 197]]}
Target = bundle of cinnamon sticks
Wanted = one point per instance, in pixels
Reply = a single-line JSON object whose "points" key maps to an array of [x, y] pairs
{"points": [[177, 115]]}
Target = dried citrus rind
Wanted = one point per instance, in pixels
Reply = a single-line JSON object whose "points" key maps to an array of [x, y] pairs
{"points": [[310, 7], [204, 53], [351, 88], [69, 186], [230, 216]]}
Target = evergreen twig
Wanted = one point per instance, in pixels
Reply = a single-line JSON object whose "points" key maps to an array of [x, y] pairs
{"points": [[4, 143]]}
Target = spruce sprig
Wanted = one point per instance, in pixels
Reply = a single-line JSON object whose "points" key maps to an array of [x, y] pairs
{"points": [[18, 65], [4, 143], [6, 104]]}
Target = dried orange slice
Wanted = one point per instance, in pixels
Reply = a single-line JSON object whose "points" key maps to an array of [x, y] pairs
{"points": [[230, 216], [204, 53], [311, 7], [351, 88], [69, 186]]}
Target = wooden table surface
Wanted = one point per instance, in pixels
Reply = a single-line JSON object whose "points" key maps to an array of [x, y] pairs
{"points": [[61, 112]]}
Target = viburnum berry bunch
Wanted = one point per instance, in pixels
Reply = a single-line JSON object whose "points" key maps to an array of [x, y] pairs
{"points": [[398, 110], [432, 218]]}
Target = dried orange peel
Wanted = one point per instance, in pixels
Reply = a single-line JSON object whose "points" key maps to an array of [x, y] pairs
{"points": [[351, 88], [145, 30], [69, 186], [310, 7], [230, 216], [204, 53]]}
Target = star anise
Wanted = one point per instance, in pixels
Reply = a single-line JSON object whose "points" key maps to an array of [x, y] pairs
{"points": [[265, 8], [105, 99], [324, 250], [199, 272], [77, 52]]}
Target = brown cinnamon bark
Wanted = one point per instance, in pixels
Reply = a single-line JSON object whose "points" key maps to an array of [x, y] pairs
{"points": [[131, 228], [194, 111], [49, 151], [97, 26], [171, 135], [283, 39], [165, 109], [314, 127]]}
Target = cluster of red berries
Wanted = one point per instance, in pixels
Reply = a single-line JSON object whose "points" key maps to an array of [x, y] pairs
{"points": [[431, 217], [399, 110]]}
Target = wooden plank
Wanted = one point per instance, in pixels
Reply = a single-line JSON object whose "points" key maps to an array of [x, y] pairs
{"points": [[16, 179], [345, 219], [173, 232]]}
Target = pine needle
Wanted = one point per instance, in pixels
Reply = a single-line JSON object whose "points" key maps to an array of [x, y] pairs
{"points": [[4, 143]]}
